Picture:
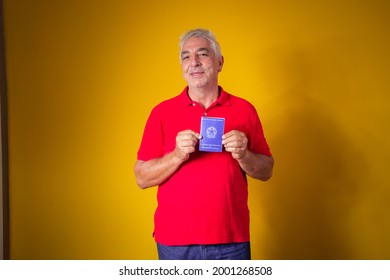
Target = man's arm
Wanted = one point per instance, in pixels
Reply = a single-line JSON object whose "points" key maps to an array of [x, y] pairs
{"points": [[155, 171], [257, 166]]}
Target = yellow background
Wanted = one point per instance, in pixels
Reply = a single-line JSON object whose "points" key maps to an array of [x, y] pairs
{"points": [[83, 76]]}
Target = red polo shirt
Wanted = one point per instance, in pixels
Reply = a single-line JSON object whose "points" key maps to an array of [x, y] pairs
{"points": [[206, 200]]}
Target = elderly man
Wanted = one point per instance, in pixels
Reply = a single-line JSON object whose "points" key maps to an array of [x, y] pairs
{"points": [[202, 210]]}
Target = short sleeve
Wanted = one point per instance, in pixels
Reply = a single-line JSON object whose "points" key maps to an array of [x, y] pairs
{"points": [[257, 142], [153, 138]]}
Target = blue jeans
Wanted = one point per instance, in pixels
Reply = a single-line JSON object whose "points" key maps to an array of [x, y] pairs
{"points": [[230, 251]]}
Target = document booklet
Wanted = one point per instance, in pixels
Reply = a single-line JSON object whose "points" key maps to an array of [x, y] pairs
{"points": [[211, 130]]}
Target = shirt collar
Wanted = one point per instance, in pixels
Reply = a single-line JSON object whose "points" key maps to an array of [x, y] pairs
{"points": [[185, 100]]}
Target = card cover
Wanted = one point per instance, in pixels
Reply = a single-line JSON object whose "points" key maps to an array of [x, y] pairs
{"points": [[211, 130]]}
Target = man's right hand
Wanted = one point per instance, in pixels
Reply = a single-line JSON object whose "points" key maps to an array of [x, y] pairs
{"points": [[185, 143], [155, 171]]}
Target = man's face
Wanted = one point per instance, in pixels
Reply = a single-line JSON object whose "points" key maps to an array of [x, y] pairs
{"points": [[199, 64]]}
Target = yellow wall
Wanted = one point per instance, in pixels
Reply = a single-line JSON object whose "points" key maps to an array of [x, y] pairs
{"points": [[83, 76]]}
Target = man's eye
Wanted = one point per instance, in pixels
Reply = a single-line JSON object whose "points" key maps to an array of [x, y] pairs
{"points": [[185, 57], [203, 54]]}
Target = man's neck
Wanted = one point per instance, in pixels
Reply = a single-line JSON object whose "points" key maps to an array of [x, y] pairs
{"points": [[204, 96]]}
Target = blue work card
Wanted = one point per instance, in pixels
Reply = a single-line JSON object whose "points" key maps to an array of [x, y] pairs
{"points": [[211, 130]]}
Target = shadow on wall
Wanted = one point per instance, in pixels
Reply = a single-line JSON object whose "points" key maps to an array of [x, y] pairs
{"points": [[307, 203]]}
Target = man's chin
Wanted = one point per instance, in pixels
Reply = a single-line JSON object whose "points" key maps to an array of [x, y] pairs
{"points": [[198, 84]]}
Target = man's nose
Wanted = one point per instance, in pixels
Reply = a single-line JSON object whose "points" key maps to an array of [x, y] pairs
{"points": [[195, 61]]}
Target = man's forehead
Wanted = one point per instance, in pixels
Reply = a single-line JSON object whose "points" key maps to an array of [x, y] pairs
{"points": [[201, 49], [196, 42]]}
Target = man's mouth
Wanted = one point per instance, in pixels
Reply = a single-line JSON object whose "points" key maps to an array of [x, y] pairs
{"points": [[196, 73]]}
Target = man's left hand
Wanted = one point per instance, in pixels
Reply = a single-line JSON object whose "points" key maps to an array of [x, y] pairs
{"points": [[235, 142]]}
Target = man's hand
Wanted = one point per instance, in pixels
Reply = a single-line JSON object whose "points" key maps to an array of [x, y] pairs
{"points": [[155, 171], [185, 143], [236, 143]]}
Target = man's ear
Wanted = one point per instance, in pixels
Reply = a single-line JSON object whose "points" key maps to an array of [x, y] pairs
{"points": [[221, 61]]}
